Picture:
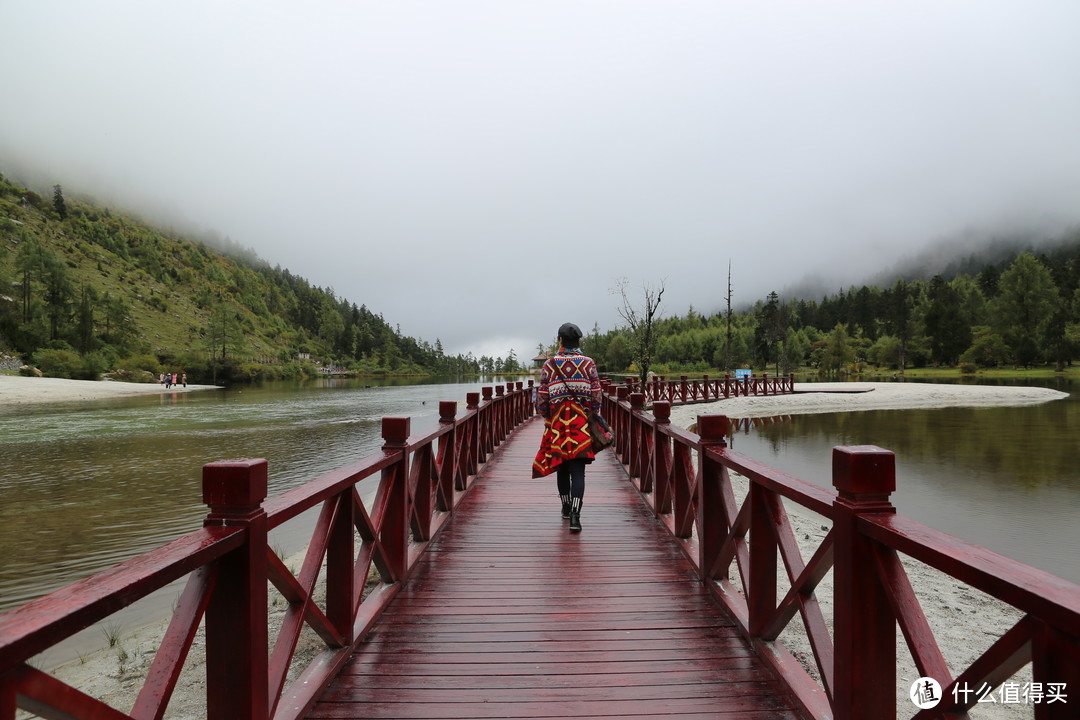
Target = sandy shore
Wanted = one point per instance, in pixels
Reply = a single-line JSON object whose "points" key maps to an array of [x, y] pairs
{"points": [[965, 621], [846, 397], [20, 390]]}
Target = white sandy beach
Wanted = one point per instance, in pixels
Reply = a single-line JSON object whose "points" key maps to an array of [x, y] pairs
{"points": [[21, 390], [852, 396], [965, 621]]}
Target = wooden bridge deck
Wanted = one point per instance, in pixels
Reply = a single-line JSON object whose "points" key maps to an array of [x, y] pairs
{"points": [[508, 615]]}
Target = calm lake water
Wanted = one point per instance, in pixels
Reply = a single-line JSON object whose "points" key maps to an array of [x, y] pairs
{"points": [[88, 485], [1006, 478], [85, 486]]}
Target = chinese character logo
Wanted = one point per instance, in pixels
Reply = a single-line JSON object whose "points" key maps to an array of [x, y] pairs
{"points": [[925, 693]]}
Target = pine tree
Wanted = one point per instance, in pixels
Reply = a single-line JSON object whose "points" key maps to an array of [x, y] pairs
{"points": [[1025, 305], [58, 202]]}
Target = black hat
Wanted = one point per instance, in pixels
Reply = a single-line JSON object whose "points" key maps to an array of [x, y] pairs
{"points": [[570, 331]]}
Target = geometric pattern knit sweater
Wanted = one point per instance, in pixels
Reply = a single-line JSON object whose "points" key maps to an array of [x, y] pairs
{"points": [[569, 375], [569, 391]]}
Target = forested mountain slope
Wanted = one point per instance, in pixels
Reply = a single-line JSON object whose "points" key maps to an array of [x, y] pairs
{"points": [[1016, 305], [86, 290]]}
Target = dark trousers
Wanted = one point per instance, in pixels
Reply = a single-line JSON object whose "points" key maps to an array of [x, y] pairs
{"points": [[570, 476]]}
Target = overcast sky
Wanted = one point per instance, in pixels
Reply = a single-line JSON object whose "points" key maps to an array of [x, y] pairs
{"points": [[481, 172]]}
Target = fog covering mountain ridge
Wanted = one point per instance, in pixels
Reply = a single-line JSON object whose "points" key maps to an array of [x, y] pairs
{"points": [[967, 252]]}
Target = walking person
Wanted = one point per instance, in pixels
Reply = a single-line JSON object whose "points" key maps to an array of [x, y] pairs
{"points": [[569, 392]]}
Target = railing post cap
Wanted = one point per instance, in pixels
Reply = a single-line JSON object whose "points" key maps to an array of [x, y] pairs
{"points": [[661, 410], [235, 483], [472, 400], [395, 430], [447, 410], [500, 390], [487, 392], [863, 470], [713, 429], [637, 400], [621, 392]]}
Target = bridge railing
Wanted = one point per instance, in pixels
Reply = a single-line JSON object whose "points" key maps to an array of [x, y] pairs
{"points": [[706, 389], [364, 553], [735, 546]]}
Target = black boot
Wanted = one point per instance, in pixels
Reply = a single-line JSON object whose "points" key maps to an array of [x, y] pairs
{"points": [[575, 515], [565, 505]]}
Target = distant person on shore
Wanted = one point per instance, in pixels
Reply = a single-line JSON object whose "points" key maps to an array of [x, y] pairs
{"points": [[569, 392], [184, 379]]}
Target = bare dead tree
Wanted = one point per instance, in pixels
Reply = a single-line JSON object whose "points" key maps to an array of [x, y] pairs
{"points": [[641, 322], [727, 343]]}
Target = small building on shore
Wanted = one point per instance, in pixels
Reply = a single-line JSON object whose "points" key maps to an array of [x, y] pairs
{"points": [[538, 362]]}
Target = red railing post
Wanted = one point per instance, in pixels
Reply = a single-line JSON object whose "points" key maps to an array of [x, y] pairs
{"points": [[237, 659], [1055, 662], [341, 588], [863, 624], [472, 462], [713, 430], [762, 596], [637, 407], [394, 528], [498, 425], [620, 423], [8, 698], [450, 465], [528, 407], [484, 416], [659, 481], [520, 404], [705, 387]]}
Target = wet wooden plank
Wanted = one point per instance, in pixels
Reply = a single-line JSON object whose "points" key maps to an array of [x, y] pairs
{"points": [[509, 615]]}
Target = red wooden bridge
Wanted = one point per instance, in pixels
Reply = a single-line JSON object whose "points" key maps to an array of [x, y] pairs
{"points": [[459, 593]]}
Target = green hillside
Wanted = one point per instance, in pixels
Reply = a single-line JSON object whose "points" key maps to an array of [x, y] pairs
{"points": [[1012, 306], [89, 290]]}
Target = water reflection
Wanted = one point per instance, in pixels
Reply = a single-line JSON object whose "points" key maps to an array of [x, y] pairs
{"points": [[1002, 477]]}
